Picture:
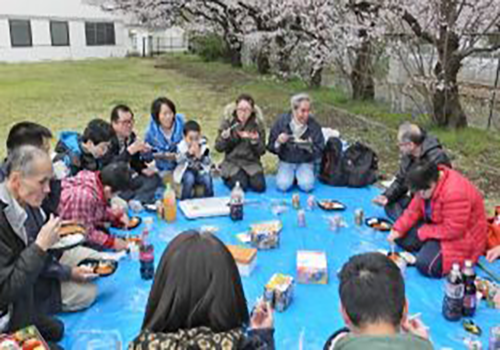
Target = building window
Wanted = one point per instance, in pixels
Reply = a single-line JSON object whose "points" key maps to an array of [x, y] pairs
{"points": [[59, 32], [99, 34], [20, 33]]}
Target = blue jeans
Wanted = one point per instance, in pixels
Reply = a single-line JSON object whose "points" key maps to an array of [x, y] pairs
{"points": [[288, 173], [191, 178]]}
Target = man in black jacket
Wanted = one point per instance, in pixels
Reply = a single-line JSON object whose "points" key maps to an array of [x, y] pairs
{"points": [[126, 147], [414, 144], [62, 285], [28, 171], [296, 138]]}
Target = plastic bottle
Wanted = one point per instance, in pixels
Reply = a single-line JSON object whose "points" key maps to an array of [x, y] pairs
{"points": [[147, 253], [454, 295], [169, 204], [470, 302], [236, 203]]}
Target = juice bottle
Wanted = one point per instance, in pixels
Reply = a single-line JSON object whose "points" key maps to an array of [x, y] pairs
{"points": [[169, 204]]}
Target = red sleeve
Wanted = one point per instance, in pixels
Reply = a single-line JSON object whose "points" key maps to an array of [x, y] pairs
{"points": [[82, 209], [114, 218], [456, 211], [410, 217]]}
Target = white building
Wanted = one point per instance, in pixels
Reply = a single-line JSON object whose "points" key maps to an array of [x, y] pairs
{"points": [[36, 30]]}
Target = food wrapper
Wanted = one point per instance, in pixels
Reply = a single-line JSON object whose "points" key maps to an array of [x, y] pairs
{"points": [[279, 291], [246, 259], [312, 267], [266, 235]]}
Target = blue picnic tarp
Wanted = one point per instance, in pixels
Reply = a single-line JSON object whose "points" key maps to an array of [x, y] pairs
{"points": [[314, 313]]}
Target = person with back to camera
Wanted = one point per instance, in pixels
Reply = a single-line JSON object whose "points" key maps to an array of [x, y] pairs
{"points": [[197, 301]]}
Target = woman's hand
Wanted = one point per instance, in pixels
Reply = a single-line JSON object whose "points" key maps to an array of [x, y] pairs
{"points": [[493, 254], [262, 316]]}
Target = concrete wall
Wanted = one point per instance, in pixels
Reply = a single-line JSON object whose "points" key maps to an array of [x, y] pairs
{"points": [[40, 13]]}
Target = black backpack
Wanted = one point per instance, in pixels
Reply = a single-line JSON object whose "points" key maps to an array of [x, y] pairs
{"points": [[361, 165], [332, 165], [356, 167]]}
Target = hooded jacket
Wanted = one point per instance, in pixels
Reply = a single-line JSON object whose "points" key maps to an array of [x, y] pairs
{"points": [[457, 219], [241, 154], [69, 150], [159, 142], [431, 151]]}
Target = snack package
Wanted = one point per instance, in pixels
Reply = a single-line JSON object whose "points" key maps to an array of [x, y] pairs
{"points": [[246, 259], [266, 235], [279, 291], [312, 267]]}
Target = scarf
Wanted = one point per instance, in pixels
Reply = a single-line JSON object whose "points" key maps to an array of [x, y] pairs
{"points": [[298, 129], [201, 338]]}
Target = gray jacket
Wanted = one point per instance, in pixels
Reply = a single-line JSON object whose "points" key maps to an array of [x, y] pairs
{"points": [[431, 151], [21, 264]]}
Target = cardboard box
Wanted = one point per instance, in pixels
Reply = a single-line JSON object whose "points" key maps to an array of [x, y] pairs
{"points": [[266, 235], [279, 291], [312, 267], [246, 259]]}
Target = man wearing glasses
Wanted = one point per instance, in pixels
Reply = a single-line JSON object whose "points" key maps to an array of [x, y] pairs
{"points": [[414, 145], [125, 146]]}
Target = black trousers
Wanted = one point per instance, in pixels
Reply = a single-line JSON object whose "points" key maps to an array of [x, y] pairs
{"points": [[51, 329], [256, 183], [393, 211], [143, 189]]}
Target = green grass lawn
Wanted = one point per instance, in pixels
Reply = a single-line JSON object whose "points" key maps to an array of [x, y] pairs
{"points": [[66, 95]]}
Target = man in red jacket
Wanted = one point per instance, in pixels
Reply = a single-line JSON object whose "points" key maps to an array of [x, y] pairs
{"points": [[452, 208]]}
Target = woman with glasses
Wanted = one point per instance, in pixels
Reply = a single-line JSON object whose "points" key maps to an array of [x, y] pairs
{"points": [[242, 138]]}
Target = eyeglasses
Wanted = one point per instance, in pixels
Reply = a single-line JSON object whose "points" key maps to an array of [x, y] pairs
{"points": [[127, 122], [244, 109]]}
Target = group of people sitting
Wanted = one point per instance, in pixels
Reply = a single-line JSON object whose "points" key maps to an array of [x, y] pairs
{"points": [[438, 214]]}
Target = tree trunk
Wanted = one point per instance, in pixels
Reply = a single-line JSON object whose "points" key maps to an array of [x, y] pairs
{"points": [[283, 59], [448, 111], [363, 85], [315, 77], [235, 57]]}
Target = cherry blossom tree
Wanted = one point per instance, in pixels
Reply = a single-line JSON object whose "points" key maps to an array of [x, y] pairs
{"points": [[454, 30]]}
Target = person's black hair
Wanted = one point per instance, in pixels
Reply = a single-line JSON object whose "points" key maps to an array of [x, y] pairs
{"points": [[98, 131], [156, 108], [197, 284], [115, 116], [27, 134], [249, 99], [422, 175], [246, 97], [372, 290], [191, 125], [117, 176]]}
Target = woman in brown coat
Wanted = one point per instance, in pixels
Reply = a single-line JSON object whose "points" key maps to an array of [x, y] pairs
{"points": [[242, 137]]}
